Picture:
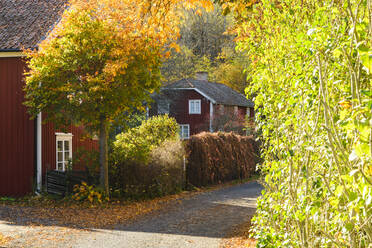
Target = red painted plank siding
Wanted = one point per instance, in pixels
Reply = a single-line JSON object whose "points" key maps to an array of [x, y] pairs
{"points": [[179, 109], [17, 154], [79, 139], [17, 134]]}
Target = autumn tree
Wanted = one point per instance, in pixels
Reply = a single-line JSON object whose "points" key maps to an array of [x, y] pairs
{"points": [[100, 61], [203, 35], [207, 43]]}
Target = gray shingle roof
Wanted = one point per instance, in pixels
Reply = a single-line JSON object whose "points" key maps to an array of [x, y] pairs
{"points": [[24, 23], [220, 93]]}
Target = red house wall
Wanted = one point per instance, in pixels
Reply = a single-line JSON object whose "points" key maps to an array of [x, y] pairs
{"points": [[17, 135], [17, 154], [179, 109], [79, 139]]}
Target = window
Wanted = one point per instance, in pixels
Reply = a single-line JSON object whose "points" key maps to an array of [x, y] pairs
{"points": [[194, 106], [185, 131], [163, 107], [63, 150]]}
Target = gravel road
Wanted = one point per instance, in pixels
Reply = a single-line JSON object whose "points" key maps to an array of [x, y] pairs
{"points": [[200, 221]]}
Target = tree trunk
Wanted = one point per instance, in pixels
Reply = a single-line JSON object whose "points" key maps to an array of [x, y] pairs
{"points": [[103, 163]]}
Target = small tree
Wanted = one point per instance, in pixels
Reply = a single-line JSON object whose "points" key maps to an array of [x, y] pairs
{"points": [[101, 60]]}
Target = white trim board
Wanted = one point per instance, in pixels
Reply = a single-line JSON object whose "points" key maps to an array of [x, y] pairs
{"points": [[65, 134]]}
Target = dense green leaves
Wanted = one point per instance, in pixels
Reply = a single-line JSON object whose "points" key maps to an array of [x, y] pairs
{"points": [[138, 142], [311, 73]]}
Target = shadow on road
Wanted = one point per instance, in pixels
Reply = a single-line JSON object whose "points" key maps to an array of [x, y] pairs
{"points": [[209, 214]]}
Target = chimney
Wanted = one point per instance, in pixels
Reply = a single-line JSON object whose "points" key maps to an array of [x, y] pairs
{"points": [[201, 75]]}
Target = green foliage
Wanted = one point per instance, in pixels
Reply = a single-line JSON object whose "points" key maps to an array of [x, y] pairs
{"points": [[311, 73], [137, 144], [232, 70], [162, 175], [180, 65], [83, 81], [203, 37], [89, 159], [100, 61], [147, 161], [205, 33]]}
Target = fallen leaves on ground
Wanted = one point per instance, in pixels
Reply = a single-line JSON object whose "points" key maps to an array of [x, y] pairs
{"points": [[83, 216], [239, 237], [47, 222], [4, 239], [46, 211]]}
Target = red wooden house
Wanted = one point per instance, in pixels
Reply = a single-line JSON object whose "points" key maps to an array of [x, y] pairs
{"points": [[27, 147], [199, 105]]}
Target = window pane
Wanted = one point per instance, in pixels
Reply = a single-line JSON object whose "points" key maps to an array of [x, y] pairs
{"points": [[186, 132], [67, 145], [67, 155], [66, 165], [60, 166], [59, 145], [197, 107], [60, 157]]}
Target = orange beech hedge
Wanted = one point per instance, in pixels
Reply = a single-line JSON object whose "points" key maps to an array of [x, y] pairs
{"points": [[220, 157]]}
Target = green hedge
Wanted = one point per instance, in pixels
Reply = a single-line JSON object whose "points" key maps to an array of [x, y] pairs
{"points": [[147, 161]]}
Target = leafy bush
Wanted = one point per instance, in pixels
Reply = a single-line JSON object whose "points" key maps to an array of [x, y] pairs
{"points": [[170, 157], [147, 160], [85, 192], [219, 157], [162, 175], [137, 144], [312, 78]]}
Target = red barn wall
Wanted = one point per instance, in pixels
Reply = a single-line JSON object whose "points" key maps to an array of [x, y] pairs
{"points": [[17, 154]]}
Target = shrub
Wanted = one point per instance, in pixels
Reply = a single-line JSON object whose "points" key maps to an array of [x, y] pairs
{"points": [[170, 157], [85, 192], [162, 175], [219, 157], [137, 144], [147, 161]]}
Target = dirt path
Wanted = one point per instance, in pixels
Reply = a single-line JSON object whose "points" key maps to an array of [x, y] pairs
{"points": [[200, 221]]}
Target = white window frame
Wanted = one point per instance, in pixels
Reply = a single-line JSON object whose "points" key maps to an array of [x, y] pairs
{"points": [[64, 137], [192, 106], [184, 135]]}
